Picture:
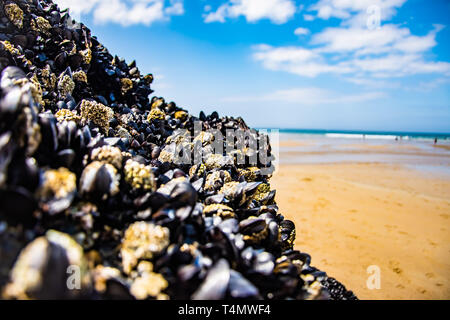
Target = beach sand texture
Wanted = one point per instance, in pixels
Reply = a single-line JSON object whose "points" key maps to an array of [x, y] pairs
{"points": [[350, 216]]}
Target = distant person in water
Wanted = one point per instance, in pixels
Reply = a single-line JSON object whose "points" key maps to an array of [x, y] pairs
{"points": [[435, 140]]}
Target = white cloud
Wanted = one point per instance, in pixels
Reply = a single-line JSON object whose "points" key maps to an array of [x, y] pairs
{"points": [[176, 8], [295, 60], [430, 85], [308, 17], [353, 50], [374, 83], [414, 43], [310, 96], [301, 31], [284, 54], [311, 63], [125, 12], [387, 38], [277, 11], [217, 16], [354, 12], [351, 39]]}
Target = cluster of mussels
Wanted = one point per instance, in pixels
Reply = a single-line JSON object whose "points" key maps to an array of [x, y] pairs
{"points": [[92, 203]]}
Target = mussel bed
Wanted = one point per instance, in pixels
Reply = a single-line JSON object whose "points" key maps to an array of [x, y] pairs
{"points": [[93, 204]]}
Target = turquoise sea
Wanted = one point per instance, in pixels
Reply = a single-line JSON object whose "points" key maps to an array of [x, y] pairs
{"points": [[352, 134], [427, 152]]}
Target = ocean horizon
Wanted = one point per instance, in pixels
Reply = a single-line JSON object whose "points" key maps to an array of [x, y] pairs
{"points": [[365, 134]]}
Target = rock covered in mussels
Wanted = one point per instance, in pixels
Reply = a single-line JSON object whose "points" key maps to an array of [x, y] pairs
{"points": [[95, 176]]}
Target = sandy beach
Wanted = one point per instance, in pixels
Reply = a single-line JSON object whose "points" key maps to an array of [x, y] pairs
{"points": [[352, 214]]}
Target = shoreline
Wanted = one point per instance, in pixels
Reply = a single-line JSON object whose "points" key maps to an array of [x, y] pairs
{"points": [[351, 215]]}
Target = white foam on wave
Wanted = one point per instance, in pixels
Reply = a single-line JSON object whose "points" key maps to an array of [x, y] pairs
{"points": [[361, 136]]}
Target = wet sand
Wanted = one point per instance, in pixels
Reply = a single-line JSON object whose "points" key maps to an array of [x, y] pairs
{"points": [[350, 216]]}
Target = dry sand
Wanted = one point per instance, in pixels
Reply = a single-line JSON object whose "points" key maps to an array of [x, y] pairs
{"points": [[351, 216]]}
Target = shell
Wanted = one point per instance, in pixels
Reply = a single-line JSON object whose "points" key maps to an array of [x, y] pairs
{"points": [[142, 240]]}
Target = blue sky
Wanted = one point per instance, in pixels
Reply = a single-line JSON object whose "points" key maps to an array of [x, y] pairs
{"points": [[324, 64]]}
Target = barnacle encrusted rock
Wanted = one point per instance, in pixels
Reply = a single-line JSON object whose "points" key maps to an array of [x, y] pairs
{"points": [[41, 270], [96, 112], [126, 85], [16, 53], [257, 235], [204, 138], [87, 55], [48, 79], [41, 24], [74, 251], [142, 240], [250, 174], [157, 103], [10, 48], [66, 115], [220, 210], [80, 76], [181, 115], [26, 276], [261, 191], [14, 14], [108, 154], [34, 135], [229, 189], [287, 235], [148, 78], [216, 180], [197, 169], [166, 155], [148, 283], [217, 161], [102, 274], [139, 176], [86, 150], [57, 190], [123, 133], [66, 85], [58, 183], [156, 114], [179, 137], [32, 85], [169, 186]]}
